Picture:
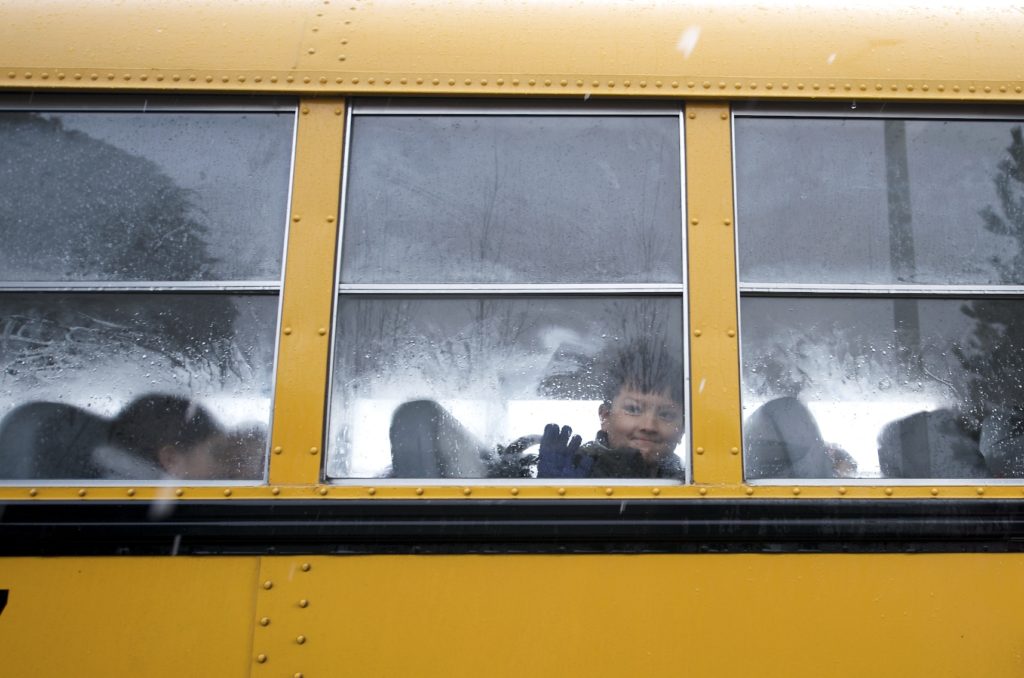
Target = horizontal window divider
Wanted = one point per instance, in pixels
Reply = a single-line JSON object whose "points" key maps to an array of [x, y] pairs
{"points": [[161, 286], [885, 482], [888, 291], [512, 108], [481, 483], [519, 289], [144, 103], [863, 110]]}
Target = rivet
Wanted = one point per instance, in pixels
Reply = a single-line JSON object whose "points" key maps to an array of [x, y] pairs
{"points": [[894, 87], [273, 78], [699, 450], [935, 491], [608, 491], [322, 331], [910, 88], [131, 492], [404, 81], [208, 78], [314, 450], [847, 87], [311, 50], [95, 76], [303, 603], [483, 82], [987, 88], [278, 449], [500, 81], [297, 675], [451, 81], [561, 491], [841, 490], [179, 492], [657, 83], [322, 491], [419, 491], [547, 83], [258, 78], [110, 76], [268, 585], [564, 83], [738, 85], [769, 85], [734, 450], [265, 621], [888, 491], [694, 221], [337, 111], [12, 74], [287, 330], [697, 333], [227, 493], [706, 85], [727, 222], [971, 88], [261, 658], [81, 493], [675, 84], [862, 87], [831, 86], [297, 218], [323, 80], [467, 81], [46, 76], [703, 491], [301, 640], [655, 491], [785, 85], [1016, 89], [224, 78], [371, 491], [956, 88], [799, 85], [355, 81], [78, 76], [305, 80], [816, 86], [514, 491], [33, 492], [275, 491], [724, 116], [924, 88], [980, 491], [466, 491], [796, 490], [1002, 88], [643, 83], [595, 84], [731, 333], [61, 76], [749, 491], [611, 83], [721, 85]]}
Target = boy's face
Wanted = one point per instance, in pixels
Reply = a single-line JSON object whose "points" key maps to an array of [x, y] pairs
{"points": [[651, 423]]}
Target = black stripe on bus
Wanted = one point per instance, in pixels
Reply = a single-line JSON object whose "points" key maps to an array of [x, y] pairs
{"points": [[243, 526], [508, 526]]}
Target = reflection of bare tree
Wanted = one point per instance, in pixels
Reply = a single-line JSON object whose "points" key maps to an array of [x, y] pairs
{"points": [[81, 209], [994, 355]]}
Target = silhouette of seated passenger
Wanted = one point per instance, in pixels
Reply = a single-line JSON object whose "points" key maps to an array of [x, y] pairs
{"points": [[428, 442], [51, 440], [641, 417], [781, 440], [178, 438], [929, 445]]}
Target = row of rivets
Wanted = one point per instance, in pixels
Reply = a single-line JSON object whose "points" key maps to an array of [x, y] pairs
{"points": [[532, 82]]}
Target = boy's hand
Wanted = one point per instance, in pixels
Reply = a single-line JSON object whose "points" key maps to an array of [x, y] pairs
{"points": [[558, 457]]}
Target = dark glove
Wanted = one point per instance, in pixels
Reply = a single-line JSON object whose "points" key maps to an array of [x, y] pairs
{"points": [[558, 455]]}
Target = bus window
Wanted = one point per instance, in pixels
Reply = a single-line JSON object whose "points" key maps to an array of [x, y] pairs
{"points": [[499, 267], [881, 258], [139, 285]]}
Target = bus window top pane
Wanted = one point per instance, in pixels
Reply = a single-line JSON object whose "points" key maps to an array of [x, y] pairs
{"points": [[135, 387], [513, 199], [877, 201], [143, 196], [466, 388], [883, 388]]}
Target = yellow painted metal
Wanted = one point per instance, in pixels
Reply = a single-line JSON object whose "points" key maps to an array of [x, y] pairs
{"points": [[714, 336], [613, 615], [928, 51], [127, 616], [473, 490], [297, 438]]}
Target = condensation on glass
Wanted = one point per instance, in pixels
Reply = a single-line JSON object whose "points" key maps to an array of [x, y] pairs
{"points": [[141, 276], [452, 381], [896, 351]]}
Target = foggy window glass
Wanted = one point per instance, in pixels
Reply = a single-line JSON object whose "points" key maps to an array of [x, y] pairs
{"points": [[878, 201], [135, 386], [513, 199], [895, 388], [466, 387], [126, 196]]}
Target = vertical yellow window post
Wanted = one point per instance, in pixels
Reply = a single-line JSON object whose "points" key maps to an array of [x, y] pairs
{"points": [[300, 395], [714, 330]]}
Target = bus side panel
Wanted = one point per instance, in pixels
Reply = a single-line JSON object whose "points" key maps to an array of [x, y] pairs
{"points": [[170, 616], [605, 615]]}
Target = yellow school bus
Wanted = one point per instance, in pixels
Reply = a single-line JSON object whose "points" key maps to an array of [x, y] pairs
{"points": [[309, 311]]}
